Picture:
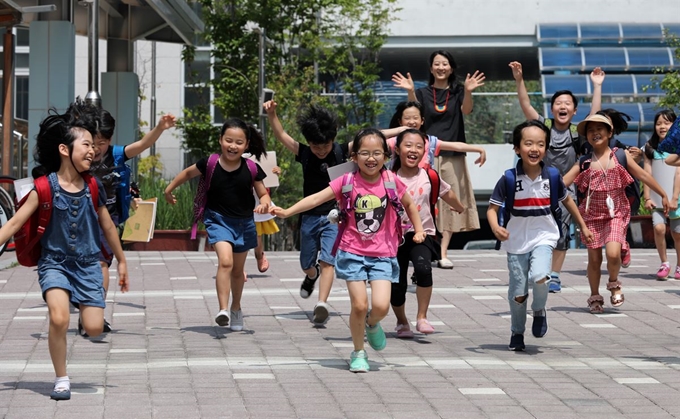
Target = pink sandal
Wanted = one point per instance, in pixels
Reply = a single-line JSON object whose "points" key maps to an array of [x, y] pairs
{"points": [[262, 263], [616, 299], [595, 304]]}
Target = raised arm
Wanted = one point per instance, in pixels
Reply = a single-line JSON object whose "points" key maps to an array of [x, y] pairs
{"points": [[471, 83], [166, 122], [279, 132], [570, 176], [312, 201], [522, 95], [390, 132], [464, 148], [185, 175], [596, 78], [407, 84], [22, 215]]}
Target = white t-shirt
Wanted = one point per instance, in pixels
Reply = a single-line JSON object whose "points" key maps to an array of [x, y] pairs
{"points": [[419, 188]]}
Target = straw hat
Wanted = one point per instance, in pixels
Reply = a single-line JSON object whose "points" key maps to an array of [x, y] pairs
{"points": [[581, 128]]}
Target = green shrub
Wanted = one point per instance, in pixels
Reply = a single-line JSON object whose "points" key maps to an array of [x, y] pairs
{"points": [[170, 217]]}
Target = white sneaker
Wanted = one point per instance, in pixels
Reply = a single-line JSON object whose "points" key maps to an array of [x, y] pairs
{"points": [[222, 318], [320, 313], [236, 320]]}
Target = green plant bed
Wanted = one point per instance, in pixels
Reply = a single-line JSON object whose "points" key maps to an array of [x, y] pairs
{"points": [[170, 217]]}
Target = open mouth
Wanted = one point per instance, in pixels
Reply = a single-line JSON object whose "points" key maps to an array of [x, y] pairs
{"points": [[413, 158], [534, 157]]}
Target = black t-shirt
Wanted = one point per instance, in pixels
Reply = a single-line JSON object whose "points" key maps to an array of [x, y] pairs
{"points": [[109, 179], [315, 177], [231, 193], [447, 125]]}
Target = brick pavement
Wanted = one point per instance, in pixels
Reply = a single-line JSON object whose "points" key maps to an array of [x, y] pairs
{"points": [[167, 359]]}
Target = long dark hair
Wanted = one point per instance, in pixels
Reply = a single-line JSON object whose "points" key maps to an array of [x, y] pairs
{"points": [[396, 159], [395, 122], [453, 82], [654, 140], [619, 119], [256, 145]]}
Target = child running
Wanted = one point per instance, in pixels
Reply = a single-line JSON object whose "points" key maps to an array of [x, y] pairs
{"points": [[104, 167], [605, 208], [68, 269], [410, 114], [228, 216], [531, 232], [669, 178], [411, 146], [367, 247]]}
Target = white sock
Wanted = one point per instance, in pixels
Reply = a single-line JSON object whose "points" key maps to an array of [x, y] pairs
{"points": [[62, 383]]}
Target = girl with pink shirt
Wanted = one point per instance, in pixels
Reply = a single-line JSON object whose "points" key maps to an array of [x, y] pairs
{"points": [[367, 248], [411, 146]]}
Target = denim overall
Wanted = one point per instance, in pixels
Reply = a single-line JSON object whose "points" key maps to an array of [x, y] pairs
{"points": [[71, 247]]}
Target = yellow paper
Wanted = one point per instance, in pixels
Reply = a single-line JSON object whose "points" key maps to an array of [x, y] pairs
{"points": [[139, 226]]}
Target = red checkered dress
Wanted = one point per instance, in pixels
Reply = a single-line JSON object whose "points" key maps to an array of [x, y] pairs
{"points": [[605, 229]]}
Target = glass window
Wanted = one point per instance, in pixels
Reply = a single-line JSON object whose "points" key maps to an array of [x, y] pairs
{"points": [[607, 58], [21, 97], [618, 85], [22, 37], [21, 60], [648, 58], [198, 71], [649, 110], [633, 31], [673, 28], [560, 58], [600, 32], [647, 81], [557, 32], [576, 83], [196, 96]]}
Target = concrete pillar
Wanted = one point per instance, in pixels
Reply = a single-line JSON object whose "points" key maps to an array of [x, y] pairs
{"points": [[120, 96], [52, 67]]}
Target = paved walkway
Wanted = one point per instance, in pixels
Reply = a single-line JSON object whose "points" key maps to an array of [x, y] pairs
{"points": [[167, 359]]}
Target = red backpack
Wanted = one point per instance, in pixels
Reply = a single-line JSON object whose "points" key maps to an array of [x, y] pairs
{"points": [[201, 199], [27, 239]]}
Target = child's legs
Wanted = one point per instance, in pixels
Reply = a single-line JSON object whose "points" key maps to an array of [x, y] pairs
{"points": [[613, 252], [381, 290], [421, 256], [398, 292], [357, 317], [92, 319], [518, 290], [309, 244], [659, 222], [675, 233], [225, 264], [593, 271], [238, 279], [260, 247], [540, 266], [328, 233], [58, 301]]}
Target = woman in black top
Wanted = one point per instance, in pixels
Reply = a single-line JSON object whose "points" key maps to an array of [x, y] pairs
{"points": [[445, 101]]}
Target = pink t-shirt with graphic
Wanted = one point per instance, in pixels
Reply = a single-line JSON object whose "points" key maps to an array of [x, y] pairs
{"points": [[372, 219], [429, 142], [419, 188]]}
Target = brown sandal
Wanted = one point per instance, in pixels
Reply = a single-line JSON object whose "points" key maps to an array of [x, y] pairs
{"points": [[595, 304], [616, 299]]}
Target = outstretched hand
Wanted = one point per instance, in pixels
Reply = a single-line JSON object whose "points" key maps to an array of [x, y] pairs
{"points": [[262, 209], [402, 82], [278, 212], [474, 81], [167, 121], [481, 159], [270, 107], [517, 73], [597, 76]]}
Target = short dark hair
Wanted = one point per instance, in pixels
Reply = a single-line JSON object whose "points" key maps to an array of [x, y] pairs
{"points": [[318, 125], [517, 132], [106, 124], [452, 63], [563, 92]]}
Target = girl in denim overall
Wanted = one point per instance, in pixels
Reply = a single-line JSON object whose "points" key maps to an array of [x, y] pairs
{"points": [[68, 269]]}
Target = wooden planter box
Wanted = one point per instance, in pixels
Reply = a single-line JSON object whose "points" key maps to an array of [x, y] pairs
{"points": [[172, 240]]}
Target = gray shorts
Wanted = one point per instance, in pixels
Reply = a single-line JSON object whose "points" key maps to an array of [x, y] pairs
{"points": [[659, 218], [565, 226]]}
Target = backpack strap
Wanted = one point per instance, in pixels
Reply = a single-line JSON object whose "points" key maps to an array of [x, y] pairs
{"points": [[252, 167], [203, 186], [44, 190], [435, 185], [504, 213], [390, 185], [621, 157], [345, 207], [432, 147], [554, 180], [94, 189]]}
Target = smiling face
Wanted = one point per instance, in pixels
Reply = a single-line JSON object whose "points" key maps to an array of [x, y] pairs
{"points": [[411, 150], [564, 109], [411, 118], [598, 134], [371, 156], [441, 68], [662, 126], [532, 146], [233, 144], [101, 145], [82, 153], [321, 150]]}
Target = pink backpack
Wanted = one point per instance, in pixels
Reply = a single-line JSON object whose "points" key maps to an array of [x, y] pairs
{"points": [[201, 198]]}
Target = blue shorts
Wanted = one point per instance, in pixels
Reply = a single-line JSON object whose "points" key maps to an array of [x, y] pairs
{"points": [[317, 234], [82, 278], [351, 267], [240, 232]]}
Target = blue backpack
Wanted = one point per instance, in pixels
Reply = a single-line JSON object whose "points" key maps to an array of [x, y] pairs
{"points": [[506, 211], [123, 194]]}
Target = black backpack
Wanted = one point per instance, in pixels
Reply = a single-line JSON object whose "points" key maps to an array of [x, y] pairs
{"points": [[305, 153]]}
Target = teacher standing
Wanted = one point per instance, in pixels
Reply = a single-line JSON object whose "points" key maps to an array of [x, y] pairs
{"points": [[445, 101]]}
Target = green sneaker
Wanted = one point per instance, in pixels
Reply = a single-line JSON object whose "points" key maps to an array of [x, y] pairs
{"points": [[358, 361], [376, 337]]}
